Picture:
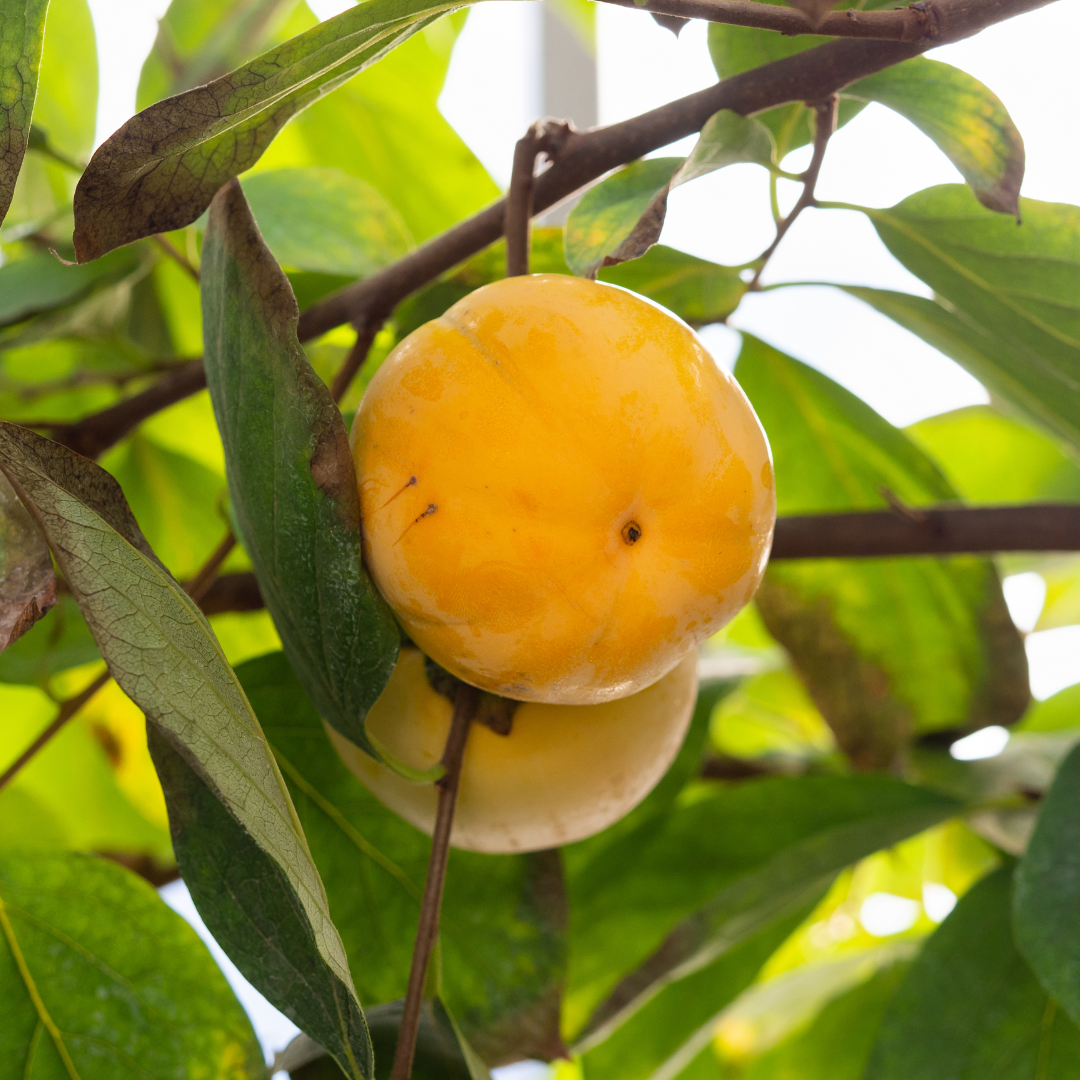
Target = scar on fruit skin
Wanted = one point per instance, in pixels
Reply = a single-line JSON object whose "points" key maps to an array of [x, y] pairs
{"points": [[404, 487], [631, 533], [431, 508]]}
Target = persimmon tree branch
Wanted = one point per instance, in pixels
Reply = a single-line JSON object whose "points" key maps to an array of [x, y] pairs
{"points": [[465, 701], [917, 22], [825, 125]]}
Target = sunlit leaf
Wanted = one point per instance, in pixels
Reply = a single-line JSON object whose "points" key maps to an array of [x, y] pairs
{"points": [[966, 120], [291, 475], [324, 220], [1007, 310], [970, 1005], [22, 24], [27, 581], [96, 974], [163, 654], [887, 647], [162, 168]]}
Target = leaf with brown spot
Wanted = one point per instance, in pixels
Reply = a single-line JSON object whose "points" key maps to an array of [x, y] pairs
{"points": [[291, 475], [160, 170], [22, 29], [27, 581]]}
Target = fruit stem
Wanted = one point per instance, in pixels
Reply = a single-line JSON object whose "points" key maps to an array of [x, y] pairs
{"points": [[466, 699]]}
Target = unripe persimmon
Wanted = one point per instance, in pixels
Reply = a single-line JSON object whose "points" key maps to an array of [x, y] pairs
{"points": [[562, 773], [561, 492]]}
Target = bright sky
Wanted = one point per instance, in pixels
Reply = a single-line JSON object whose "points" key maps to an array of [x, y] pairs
{"points": [[875, 160]]}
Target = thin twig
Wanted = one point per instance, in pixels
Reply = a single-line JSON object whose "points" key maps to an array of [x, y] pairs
{"points": [[67, 710], [913, 23], [366, 332], [465, 702], [825, 125], [176, 255], [196, 588]]}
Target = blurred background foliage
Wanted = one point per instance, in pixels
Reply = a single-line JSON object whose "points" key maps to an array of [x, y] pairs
{"points": [[923, 650]]}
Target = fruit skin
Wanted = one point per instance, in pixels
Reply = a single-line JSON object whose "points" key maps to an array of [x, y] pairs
{"points": [[563, 773], [561, 492]]}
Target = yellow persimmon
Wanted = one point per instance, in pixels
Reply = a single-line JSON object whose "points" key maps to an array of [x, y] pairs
{"points": [[563, 772], [561, 492]]}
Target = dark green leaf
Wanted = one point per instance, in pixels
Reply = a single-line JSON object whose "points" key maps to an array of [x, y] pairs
{"points": [[291, 475], [837, 1044], [324, 220], [706, 876], [502, 944], [1008, 310], [887, 647], [99, 979], [163, 654], [27, 581], [670, 1029], [966, 120], [250, 905], [989, 457], [22, 25], [620, 218], [60, 641], [698, 291], [162, 168], [970, 1006], [1047, 899]]}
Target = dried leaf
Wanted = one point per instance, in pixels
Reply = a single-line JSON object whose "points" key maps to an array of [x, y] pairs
{"points": [[27, 581]]}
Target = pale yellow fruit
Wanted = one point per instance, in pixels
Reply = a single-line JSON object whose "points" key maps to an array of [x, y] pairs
{"points": [[563, 773]]}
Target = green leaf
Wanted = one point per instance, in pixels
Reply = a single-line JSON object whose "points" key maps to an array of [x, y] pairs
{"points": [[392, 111], [837, 1043], [698, 291], [607, 227], [670, 1029], [163, 167], [1047, 911], [201, 40], [27, 581], [22, 26], [66, 107], [708, 875], [1058, 712], [441, 1052], [1008, 310], [989, 457], [163, 654], [100, 979], [250, 905], [291, 475], [621, 218], [887, 647], [324, 220], [57, 642], [502, 940], [970, 1006], [966, 120]]}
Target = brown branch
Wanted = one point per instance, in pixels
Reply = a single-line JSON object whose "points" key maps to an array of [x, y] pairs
{"points": [[200, 584], [586, 156], [366, 331], [179, 258], [465, 701], [931, 531], [94, 434], [914, 23], [825, 125], [232, 592], [67, 710], [543, 137]]}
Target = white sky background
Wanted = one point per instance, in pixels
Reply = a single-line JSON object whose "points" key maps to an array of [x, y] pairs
{"points": [[875, 160]]}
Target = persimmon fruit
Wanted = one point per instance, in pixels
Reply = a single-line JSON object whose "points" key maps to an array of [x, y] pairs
{"points": [[561, 491], [562, 773]]}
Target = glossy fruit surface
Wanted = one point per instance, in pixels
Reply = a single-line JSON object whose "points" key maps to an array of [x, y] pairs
{"points": [[563, 773], [561, 492]]}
